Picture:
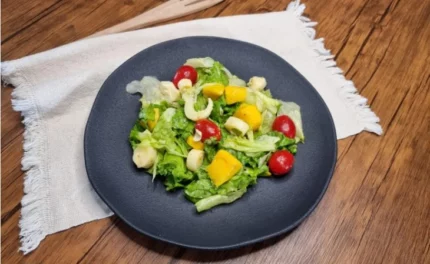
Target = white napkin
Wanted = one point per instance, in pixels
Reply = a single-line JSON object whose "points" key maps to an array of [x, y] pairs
{"points": [[54, 91]]}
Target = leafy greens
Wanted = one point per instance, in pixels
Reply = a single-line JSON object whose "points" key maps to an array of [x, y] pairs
{"points": [[162, 124]]}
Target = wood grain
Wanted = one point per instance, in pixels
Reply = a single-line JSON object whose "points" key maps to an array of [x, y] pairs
{"points": [[377, 207]]}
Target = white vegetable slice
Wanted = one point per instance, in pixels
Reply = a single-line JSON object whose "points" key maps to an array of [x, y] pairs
{"points": [[195, 159], [185, 84], [257, 83], [197, 135], [236, 126], [144, 156], [191, 113], [169, 91]]}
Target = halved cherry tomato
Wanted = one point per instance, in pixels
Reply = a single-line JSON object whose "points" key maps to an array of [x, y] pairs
{"points": [[281, 162], [285, 125], [185, 72], [209, 129]]}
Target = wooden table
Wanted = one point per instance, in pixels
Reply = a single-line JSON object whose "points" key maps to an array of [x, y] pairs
{"points": [[377, 207]]}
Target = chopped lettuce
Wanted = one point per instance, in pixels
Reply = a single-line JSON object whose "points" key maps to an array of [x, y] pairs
{"points": [[214, 74], [212, 201], [210, 151], [182, 125], [293, 111], [236, 81], [292, 148], [263, 160], [182, 146], [262, 143], [206, 196], [254, 164], [135, 136], [238, 182], [147, 112], [246, 160], [180, 121], [217, 113], [266, 125], [206, 62], [162, 107], [165, 135], [173, 167], [145, 138], [221, 111], [201, 102], [262, 101], [164, 124], [199, 189], [202, 173], [283, 140]]}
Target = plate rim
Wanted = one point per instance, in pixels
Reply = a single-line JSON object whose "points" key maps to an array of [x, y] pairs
{"points": [[231, 246]]}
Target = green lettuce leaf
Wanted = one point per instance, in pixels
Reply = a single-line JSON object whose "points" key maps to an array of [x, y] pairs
{"points": [[175, 170], [217, 111], [257, 172], [206, 62], [199, 189], [236, 81], [283, 140], [214, 74], [165, 135], [201, 102], [292, 148], [210, 151], [136, 132], [221, 111], [238, 182], [261, 144], [247, 161], [267, 122], [147, 112], [202, 173], [211, 201], [262, 101], [182, 125], [205, 195], [144, 138], [293, 111]]}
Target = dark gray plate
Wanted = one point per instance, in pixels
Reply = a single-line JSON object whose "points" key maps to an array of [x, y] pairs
{"points": [[270, 208]]}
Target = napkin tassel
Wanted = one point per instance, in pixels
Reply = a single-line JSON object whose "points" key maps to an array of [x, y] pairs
{"points": [[348, 91], [34, 214]]}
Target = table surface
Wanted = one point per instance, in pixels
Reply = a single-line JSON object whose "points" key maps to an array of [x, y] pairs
{"points": [[377, 207]]}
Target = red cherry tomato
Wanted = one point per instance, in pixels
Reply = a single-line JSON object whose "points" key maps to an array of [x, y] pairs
{"points": [[281, 162], [185, 72], [209, 129], [285, 125]]}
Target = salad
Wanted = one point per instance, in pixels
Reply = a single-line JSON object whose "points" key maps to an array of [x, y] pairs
{"points": [[212, 134]]}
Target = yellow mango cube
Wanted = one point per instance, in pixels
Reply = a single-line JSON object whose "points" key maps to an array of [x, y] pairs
{"points": [[195, 144], [249, 114], [213, 90], [151, 124], [235, 94], [223, 167]]}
